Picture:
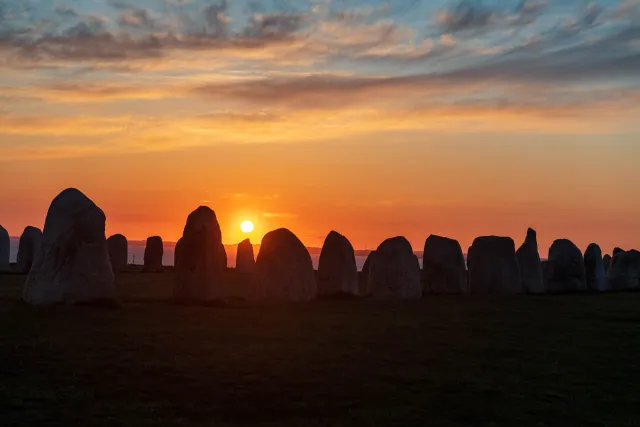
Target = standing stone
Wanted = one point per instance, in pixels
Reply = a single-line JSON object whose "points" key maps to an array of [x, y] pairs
{"points": [[493, 266], [606, 260], [28, 246], [203, 261], [625, 273], [594, 269], [177, 252], [530, 264], [118, 252], [443, 266], [566, 268], [153, 253], [363, 277], [245, 261], [72, 265], [283, 271], [5, 246], [395, 271], [337, 270], [617, 252]]}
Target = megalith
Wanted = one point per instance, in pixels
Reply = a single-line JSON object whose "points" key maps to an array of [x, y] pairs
{"points": [[443, 266], [153, 253], [530, 264], [337, 270], [395, 271], [566, 268], [493, 266]]}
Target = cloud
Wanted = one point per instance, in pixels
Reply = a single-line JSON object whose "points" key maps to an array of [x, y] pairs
{"points": [[278, 215]]}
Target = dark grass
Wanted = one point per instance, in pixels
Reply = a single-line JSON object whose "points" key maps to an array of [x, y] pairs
{"points": [[445, 361]]}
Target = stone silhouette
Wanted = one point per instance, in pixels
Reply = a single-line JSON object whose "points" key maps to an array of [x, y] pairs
{"points": [[245, 261], [337, 270], [363, 278], [118, 252], [624, 274], [606, 260], [283, 271], [443, 266], [153, 253], [28, 246], [203, 261], [72, 264], [566, 268], [5, 246], [177, 252], [594, 269], [530, 264], [493, 266], [617, 252], [394, 271]]}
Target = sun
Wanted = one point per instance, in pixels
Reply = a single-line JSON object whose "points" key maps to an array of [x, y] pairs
{"points": [[247, 226]]}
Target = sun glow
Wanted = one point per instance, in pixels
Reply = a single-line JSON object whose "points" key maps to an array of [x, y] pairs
{"points": [[247, 226]]}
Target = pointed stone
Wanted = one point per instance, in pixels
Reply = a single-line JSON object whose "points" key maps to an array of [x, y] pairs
{"points": [[118, 252], [337, 270], [245, 261], [395, 271], [443, 266], [202, 264], [493, 266], [72, 265], [594, 269], [566, 268], [530, 264], [153, 253], [283, 271]]}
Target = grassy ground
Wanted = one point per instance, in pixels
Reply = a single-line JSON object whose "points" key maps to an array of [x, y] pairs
{"points": [[518, 361]]}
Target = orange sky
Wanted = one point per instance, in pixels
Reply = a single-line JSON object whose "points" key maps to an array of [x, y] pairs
{"points": [[369, 117]]}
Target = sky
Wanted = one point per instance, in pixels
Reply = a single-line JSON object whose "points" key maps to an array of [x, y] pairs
{"points": [[371, 118]]}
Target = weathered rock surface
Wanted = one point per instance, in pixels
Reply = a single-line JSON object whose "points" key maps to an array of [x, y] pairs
{"points": [[245, 261], [72, 265], [493, 266], [5, 246], [530, 264], [29, 244], [337, 270], [443, 266], [202, 265], [394, 271], [283, 271], [153, 253], [566, 268], [118, 252], [624, 275], [594, 269]]}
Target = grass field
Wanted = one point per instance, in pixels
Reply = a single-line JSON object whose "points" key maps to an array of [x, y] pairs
{"points": [[517, 361]]}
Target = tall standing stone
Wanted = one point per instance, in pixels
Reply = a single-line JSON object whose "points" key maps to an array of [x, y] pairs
{"points": [[443, 266], [337, 270], [153, 253], [118, 252], [29, 244], [606, 260], [594, 269], [624, 275], [566, 268], [530, 264], [5, 246], [283, 271], [245, 261], [203, 261], [72, 265], [395, 271], [493, 266]]}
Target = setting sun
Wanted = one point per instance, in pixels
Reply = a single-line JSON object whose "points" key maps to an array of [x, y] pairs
{"points": [[247, 226]]}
